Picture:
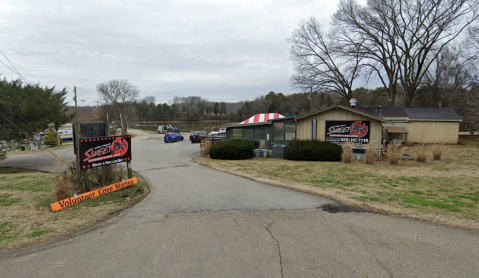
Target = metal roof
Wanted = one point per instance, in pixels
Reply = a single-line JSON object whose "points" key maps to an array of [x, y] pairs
{"points": [[354, 110], [384, 112], [446, 114]]}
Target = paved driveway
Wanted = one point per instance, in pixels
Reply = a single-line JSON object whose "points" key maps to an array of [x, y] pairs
{"points": [[198, 222]]}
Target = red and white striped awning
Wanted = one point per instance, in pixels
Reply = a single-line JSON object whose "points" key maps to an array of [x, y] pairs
{"points": [[259, 118]]}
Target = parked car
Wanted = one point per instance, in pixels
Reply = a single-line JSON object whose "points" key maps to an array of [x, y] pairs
{"points": [[222, 130], [173, 129], [216, 136], [195, 136], [162, 129], [173, 137]]}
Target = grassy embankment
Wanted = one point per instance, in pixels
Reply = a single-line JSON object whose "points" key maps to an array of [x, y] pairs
{"points": [[25, 213]]}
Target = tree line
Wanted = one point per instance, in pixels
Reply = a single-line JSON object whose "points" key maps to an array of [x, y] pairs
{"points": [[29, 108]]}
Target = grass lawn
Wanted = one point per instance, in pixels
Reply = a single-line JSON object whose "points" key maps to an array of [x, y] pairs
{"points": [[25, 213], [444, 191]]}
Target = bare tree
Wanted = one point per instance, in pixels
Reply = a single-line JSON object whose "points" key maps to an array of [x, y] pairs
{"points": [[401, 39], [318, 61], [453, 71], [118, 95]]}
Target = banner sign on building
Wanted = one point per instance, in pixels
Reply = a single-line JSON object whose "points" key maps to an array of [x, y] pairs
{"points": [[340, 132], [93, 194], [103, 151]]}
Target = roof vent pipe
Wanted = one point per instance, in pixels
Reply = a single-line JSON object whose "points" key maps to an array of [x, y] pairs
{"points": [[353, 102]]}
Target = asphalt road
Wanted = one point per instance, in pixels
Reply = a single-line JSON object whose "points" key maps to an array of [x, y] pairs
{"points": [[198, 222]]}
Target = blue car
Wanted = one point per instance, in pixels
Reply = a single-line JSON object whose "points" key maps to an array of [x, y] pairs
{"points": [[173, 137]]}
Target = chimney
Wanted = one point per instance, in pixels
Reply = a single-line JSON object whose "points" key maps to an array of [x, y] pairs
{"points": [[352, 102]]}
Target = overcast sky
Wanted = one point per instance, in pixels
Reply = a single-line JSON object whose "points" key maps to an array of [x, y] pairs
{"points": [[226, 50]]}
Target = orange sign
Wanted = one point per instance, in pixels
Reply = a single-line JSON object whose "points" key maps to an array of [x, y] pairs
{"points": [[93, 194]]}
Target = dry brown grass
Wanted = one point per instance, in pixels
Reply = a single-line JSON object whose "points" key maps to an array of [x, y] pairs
{"points": [[369, 154], [443, 191], [347, 155], [437, 151], [205, 147], [394, 153], [64, 187], [421, 153]]}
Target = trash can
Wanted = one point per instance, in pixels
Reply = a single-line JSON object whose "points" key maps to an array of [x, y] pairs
{"points": [[22, 148]]}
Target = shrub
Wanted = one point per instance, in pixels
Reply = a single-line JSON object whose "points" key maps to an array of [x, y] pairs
{"points": [[64, 187], [420, 153], [106, 175], [347, 152], [437, 151], [51, 138], [313, 150], [369, 155], [205, 147], [394, 153], [232, 150]]}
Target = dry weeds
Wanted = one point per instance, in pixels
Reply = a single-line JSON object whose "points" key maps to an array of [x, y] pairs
{"points": [[437, 151], [205, 147], [394, 153], [421, 153], [347, 155]]}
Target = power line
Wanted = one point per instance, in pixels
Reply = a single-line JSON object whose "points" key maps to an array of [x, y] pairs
{"points": [[28, 82], [12, 123]]}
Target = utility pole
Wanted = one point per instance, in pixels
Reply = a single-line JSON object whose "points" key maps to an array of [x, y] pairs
{"points": [[77, 139], [311, 97], [80, 173]]}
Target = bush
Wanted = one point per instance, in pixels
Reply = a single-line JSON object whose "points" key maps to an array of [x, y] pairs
{"points": [[394, 153], [106, 175], [64, 187], [51, 139], [437, 151], [205, 147], [232, 150], [313, 150], [347, 152], [369, 155], [421, 153]]}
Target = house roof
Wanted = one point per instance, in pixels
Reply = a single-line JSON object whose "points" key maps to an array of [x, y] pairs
{"points": [[413, 114], [354, 110], [445, 114], [384, 112]]}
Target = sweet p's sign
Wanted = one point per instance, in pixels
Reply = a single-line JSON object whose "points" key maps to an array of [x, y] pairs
{"points": [[340, 132], [103, 151]]}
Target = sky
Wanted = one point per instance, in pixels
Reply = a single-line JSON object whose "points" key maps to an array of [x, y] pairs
{"points": [[228, 50]]}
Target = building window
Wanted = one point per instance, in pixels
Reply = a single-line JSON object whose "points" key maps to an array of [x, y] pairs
{"points": [[237, 133], [283, 132], [249, 133], [315, 128]]}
